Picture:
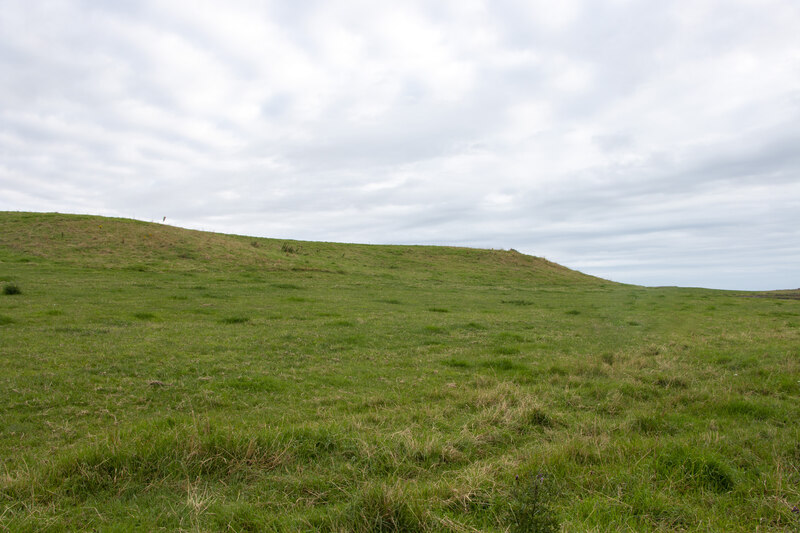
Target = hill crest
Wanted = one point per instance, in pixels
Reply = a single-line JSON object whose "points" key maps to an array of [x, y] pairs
{"points": [[104, 242]]}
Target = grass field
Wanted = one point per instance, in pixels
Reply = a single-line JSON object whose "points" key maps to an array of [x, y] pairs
{"points": [[155, 378]]}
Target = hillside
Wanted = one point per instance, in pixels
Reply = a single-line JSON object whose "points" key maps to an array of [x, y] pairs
{"points": [[155, 378], [91, 241]]}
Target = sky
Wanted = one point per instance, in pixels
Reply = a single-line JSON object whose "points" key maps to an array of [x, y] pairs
{"points": [[654, 143]]}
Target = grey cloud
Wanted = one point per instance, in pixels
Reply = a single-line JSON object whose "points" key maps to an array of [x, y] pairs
{"points": [[619, 137]]}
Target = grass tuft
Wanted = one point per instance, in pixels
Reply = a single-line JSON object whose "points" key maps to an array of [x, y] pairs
{"points": [[503, 363], [537, 417], [696, 469], [384, 508], [506, 350], [235, 320], [155, 456], [518, 302], [11, 289], [530, 508], [650, 425], [456, 363], [289, 249]]}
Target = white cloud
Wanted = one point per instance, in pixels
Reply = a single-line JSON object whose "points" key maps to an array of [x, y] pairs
{"points": [[650, 143]]}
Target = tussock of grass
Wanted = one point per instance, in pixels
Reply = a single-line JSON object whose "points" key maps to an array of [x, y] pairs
{"points": [[518, 302], [741, 407], [235, 320], [253, 383], [154, 456], [379, 508], [505, 350], [530, 506], [456, 363], [651, 425], [11, 289], [695, 469]]}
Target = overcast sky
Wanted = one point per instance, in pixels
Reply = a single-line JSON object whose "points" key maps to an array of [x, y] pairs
{"points": [[647, 142]]}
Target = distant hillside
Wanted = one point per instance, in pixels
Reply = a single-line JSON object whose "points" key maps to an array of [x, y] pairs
{"points": [[102, 242]]}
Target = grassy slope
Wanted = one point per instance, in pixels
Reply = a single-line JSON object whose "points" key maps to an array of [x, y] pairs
{"points": [[160, 378]]}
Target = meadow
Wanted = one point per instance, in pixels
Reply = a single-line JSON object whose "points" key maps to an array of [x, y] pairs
{"points": [[160, 379]]}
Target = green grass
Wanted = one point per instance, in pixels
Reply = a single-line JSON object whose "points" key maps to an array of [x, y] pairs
{"points": [[155, 378], [11, 289]]}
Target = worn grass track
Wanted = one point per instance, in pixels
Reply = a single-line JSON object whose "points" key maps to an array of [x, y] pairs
{"points": [[154, 378]]}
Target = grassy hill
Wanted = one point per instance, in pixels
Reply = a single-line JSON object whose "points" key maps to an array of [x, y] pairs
{"points": [[99, 242], [156, 378]]}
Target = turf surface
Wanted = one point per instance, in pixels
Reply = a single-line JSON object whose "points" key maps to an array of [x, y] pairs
{"points": [[155, 378]]}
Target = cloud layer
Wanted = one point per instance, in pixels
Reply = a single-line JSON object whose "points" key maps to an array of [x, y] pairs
{"points": [[651, 143]]}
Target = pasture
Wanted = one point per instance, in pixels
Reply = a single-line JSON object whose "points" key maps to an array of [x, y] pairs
{"points": [[154, 378]]}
